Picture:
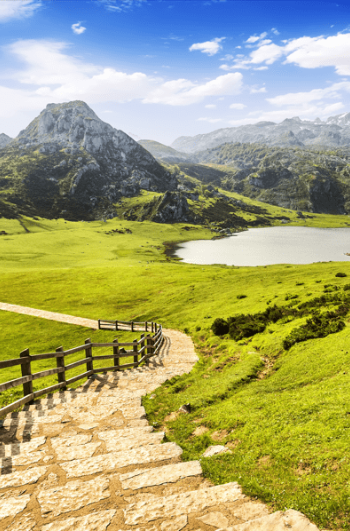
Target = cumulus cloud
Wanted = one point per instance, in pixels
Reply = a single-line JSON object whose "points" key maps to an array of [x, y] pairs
{"points": [[237, 106], [256, 38], [305, 52], [10, 9], [210, 106], [49, 74], [208, 47], [256, 90], [77, 28]]}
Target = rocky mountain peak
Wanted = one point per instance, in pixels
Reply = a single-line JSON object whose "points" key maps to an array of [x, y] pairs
{"points": [[4, 140], [69, 160]]}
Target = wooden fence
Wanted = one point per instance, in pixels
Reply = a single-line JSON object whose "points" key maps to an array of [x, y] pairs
{"points": [[146, 347]]}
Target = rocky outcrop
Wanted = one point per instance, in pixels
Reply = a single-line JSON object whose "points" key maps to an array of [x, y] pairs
{"points": [[4, 140], [68, 161]]}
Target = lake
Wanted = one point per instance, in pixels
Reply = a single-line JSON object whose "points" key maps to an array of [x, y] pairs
{"points": [[267, 246]]}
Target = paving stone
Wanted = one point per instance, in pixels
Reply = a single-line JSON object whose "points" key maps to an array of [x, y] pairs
{"points": [[176, 524], [26, 422], [75, 440], [279, 521], [21, 448], [82, 451], [116, 444], [139, 479], [17, 479], [250, 510], [137, 423], [73, 496], [109, 462], [91, 522], [180, 504], [25, 523], [214, 450], [133, 412], [10, 506], [215, 519], [23, 459]]}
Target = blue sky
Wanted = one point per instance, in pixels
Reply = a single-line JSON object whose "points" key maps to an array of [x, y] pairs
{"points": [[162, 69]]}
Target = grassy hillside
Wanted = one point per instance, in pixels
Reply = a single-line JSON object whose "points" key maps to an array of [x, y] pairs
{"points": [[284, 414]]}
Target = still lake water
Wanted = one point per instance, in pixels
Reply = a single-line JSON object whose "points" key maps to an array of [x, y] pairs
{"points": [[267, 246]]}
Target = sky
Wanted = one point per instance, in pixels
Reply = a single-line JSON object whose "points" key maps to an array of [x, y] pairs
{"points": [[160, 69]]}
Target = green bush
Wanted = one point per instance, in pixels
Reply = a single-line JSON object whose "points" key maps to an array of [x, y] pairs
{"points": [[242, 326], [290, 296], [341, 275], [315, 327], [241, 296], [220, 327]]}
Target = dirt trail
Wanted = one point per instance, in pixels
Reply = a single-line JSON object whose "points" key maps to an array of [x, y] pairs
{"points": [[87, 460]]}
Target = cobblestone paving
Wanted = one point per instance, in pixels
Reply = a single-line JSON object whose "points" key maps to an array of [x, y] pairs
{"points": [[87, 460]]}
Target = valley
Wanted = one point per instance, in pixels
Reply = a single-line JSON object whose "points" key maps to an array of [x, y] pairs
{"points": [[88, 220]]}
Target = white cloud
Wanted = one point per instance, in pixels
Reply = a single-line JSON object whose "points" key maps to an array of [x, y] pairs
{"points": [[299, 98], [267, 53], [256, 38], [57, 76], [184, 92], [209, 120], [78, 29], [255, 90], [275, 31], [237, 106], [210, 106], [305, 52], [208, 47], [121, 5], [10, 9], [227, 68]]}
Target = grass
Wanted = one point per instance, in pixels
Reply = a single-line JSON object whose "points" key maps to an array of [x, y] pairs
{"points": [[284, 414]]}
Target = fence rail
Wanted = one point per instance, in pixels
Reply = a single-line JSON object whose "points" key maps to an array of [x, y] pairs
{"points": [[146, 347]]}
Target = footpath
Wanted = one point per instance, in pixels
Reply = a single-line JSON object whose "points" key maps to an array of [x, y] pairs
{"points": [[87, 460]]}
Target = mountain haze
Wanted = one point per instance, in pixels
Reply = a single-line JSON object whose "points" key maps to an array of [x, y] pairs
{"points": [[335, 132]]}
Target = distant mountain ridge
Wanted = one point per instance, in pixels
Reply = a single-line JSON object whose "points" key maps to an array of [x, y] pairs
{"points": [[335, 132]]}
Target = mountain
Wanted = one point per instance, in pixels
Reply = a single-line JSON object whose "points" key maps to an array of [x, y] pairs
{"points": [[163, 152], [69, 163], [290, 177], [335, 132], [4, 140]]}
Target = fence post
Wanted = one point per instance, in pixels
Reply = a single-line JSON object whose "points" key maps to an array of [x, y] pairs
{"points": [[88, 354], [116, 325], [116, 353], [26, 371], [152, 326], [136, 354], [132, 326], [60, 363], [99, 324], [149, 348], [146, 323], [155, 327]]}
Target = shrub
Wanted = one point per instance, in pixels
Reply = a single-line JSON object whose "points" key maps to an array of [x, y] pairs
{"points": [[241, 296], [317, 326], [341, 275], [220, 327], [248, 325]]}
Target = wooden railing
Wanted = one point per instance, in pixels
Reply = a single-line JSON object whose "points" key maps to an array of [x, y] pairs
{"points": [[146, 347]]}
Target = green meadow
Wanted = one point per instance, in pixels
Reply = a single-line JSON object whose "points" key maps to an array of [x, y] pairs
{"points": [[283, 414]]}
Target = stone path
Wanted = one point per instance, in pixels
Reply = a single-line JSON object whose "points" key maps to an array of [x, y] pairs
{"points": [[87, 460]]}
